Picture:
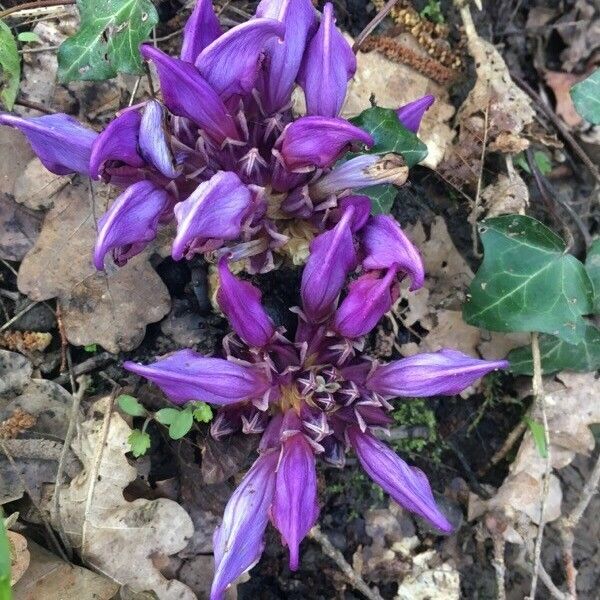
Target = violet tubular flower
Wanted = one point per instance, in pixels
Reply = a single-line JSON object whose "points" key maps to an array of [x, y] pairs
{"points": [[312, 395]]}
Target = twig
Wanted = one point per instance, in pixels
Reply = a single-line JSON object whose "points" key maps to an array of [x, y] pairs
{"points": [[95, 362], [547, 581], [18, 316], [64, 344], [540, 403], [499, 565], [33, 5], [370, 27], [475, 214], [351, 575], [35, 106], [511, 440]]}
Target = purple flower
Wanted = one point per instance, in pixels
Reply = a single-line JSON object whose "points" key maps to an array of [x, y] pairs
{"points": [[444, 372], [153, 141], [411, 114], [201, 29]]}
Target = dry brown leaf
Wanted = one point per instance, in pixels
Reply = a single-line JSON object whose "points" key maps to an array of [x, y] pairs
{"points": [[110, 533], [505, 195], [430, 579], [19, 228], [35, 186], [561, 84], [19, 556], [16, 154], [111, 309]]}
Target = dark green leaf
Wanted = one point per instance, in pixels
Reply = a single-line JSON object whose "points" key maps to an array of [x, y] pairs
{"points": [[390, 135], [202, 412], [139, 442], [382, 197], [108, 39], [586, 97], [527, 283], [181, 424], [130, 405], [539, 438], [10, 67], [28, 36], [166, 416], [557, 355], [592, 266]]}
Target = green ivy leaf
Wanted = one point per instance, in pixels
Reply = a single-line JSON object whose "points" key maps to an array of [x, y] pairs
{"points": [[28, 36], [527, 283], [557, 355], [139, 442], [592, 266], [586, 97], [539, 439], [390, 135], [107, 41], [166, 416], [130, 405], [10, 67], [382, 197], [5, 593], [181, 424], [202, 412]]}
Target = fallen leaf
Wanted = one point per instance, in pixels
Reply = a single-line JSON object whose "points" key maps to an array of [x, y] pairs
{"points": [[111, 309], [35, 187], [430, 579], [16, 154], [19, 556], [15, 371], [19, 229], [506, 195], [561, 84]]}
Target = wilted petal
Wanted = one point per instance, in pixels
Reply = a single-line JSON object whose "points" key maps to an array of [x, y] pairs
{"points": [[295, 508], [153, 140], [385, 245], [201, 29], [363, 171], [368, 299], [327, 66], [118, 141], [284, 58], [445, 372], [230, 64], [240, 301], [130, 223], [411, 114], [187, 375], [60, 142], [238, 542], [408, 486], [215, 209], [312, 142], [331, 258], [187, 94]]}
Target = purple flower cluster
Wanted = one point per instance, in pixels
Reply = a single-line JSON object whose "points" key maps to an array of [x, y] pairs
{"points": [[223, 155], [314, 394]]}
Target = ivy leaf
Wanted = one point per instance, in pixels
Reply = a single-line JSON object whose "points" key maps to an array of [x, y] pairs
{"points": [[202, 412], [10, 67], [539, 439], [592, 266], [130, 405], [139, 442], [181, 424], [390, 135], [586, 97], [557, 355], [527, 283], [166, 416], [107, 41], [382, 197]]}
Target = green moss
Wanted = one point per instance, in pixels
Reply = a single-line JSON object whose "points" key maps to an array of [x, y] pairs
{"points": [[414, 412]]}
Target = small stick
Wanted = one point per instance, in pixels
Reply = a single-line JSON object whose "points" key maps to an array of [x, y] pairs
{"points": [[64, 344], [499, 565], [92, 363], [351, 575], [35, 106], [34, 5], [511, 440], [368, 30], [474, 237], [18, 316]]}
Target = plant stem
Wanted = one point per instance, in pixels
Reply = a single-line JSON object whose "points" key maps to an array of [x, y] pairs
{"points": [[33, 5]]}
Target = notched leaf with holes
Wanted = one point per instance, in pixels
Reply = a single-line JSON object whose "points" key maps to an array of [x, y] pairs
{"points": [[586, 97], [527, 282], [107, 41]]}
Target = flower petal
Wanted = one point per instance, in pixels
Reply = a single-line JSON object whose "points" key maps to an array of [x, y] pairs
{"points": [[130, 223], [60, 142], [201, 29], [187, 375], [327, 66], [411, 114], [118, 141], [385, 245], [295, 509], [362, 210], [240, 301], [187, 94], [312, 142], [215, 209], [331, 258], [153, 140], [408, 486], [444, 372], [230, 64], [239, 541]]}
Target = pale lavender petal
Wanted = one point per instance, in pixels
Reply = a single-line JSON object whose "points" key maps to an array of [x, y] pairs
{"points": [[445, 372], [411, 114], [187, 94], [187, 375], [154, 144], [118, 142], [216, 209], [230, 64], [240, 301], [327, 66], [408, 486], [130, 223], [295, 509], [385, 244], [312, 142], [62, 144], [239, 542], [201, 29]]}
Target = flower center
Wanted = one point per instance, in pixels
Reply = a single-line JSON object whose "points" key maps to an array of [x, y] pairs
{"points": [[290, 398]]}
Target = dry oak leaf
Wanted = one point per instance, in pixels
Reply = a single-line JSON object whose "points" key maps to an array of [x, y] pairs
{"points": [[119, 538], [561, 84], [109, 308], [19, 228], [35, 186], [506, 195]]}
